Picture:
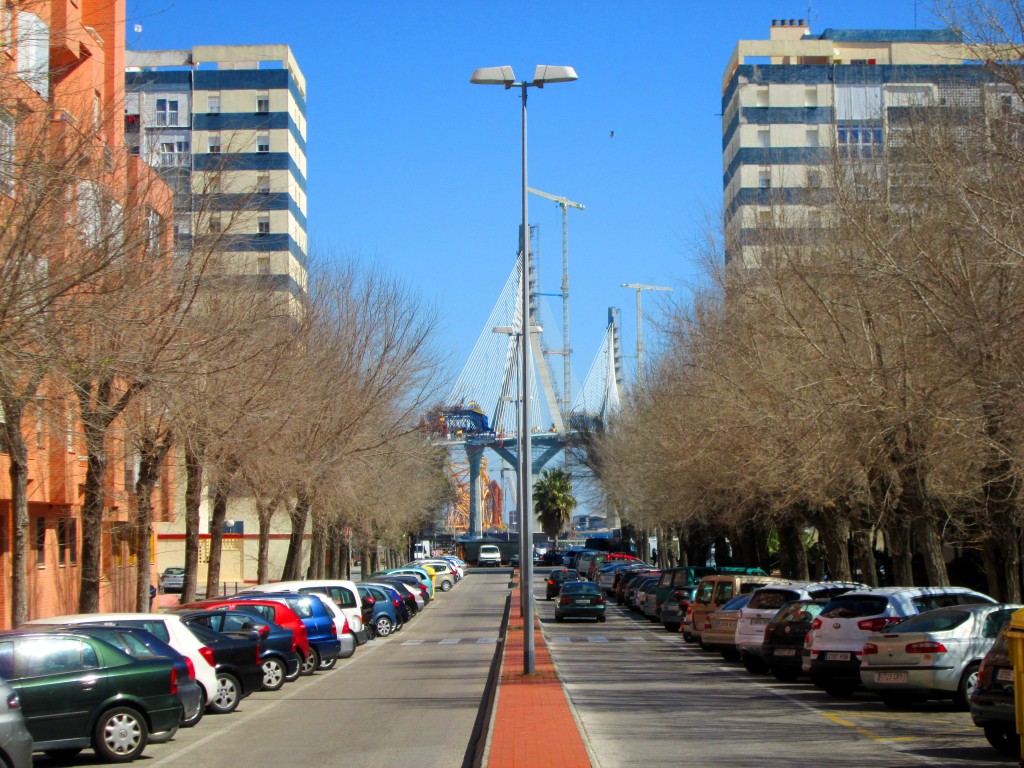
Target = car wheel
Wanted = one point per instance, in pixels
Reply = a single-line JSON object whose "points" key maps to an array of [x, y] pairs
{"points": [[194, 720], [968, 682], [671, 627], [164, 736], [63, 755], [273, 673], [753, 664], [298, 670], [311, 663], [785, 675], [688, 637], [1001, 736], [730, 654], [559, 619], [120, 735], [384, 626], [228, 694], [601, 619], [330, 664], [446, 585]]}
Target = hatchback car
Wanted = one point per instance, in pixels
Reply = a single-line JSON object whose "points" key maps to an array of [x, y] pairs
{"points": [[720, 628], [556, 579], [342, 591], [673, 610], [321, 631], [172, 579], [935, 654], [833, 647], [78, 691], [15, 740], [580, 599], [784, 636], [385, 618], [237, 661], [992, 700]]}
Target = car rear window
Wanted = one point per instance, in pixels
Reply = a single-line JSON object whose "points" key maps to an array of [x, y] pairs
{"points": [[855, 606], [772, 598], [796, 613], [933, 621], [158, 628], [995, 621], [704, 592], [580, 587]]}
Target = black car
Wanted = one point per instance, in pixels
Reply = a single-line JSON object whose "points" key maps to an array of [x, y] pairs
{"points": [[238, 671], [556, 579], [552, 557], [784, 637], [277, 652], [992, 702]]}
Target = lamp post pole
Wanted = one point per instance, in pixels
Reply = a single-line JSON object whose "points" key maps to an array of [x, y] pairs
{"points": [[504, 76]]}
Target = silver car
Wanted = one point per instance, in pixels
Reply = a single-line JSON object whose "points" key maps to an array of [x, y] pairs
{"points": [[15, 740], [172, 579], [720, 633], [935, 654]]}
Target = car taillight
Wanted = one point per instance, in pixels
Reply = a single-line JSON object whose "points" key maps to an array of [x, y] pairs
{"points": [[869, 649], [926, 646], [599, 601], [191, 668], [207, 653], [551, 582], [877, 624], [564, 600], [334, 628], [396, 602], [174, 681], [345, 629], [264, 632], [816, 624], [689, 611], [767, 634], [13, 702]]}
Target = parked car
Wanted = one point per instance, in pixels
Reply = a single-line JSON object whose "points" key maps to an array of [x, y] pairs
{"points": [[342, 591], [142, 644], [992, 700], [720, 628], [488, 556], [607, 575], [632, 593], [278, 656], [321, 631], [580, 599], [411, 596], [766, 602], [396, 601], [237, 661], [556, 579], [784, 636], [385, 618], [345, 636], [444, 575], [552, 557], [168, 627], [833, 647], [420, 574], [935, 654], [690, 575], [715, 590], [273, 611], [624, 577], [15, 740], [646, 597], [78, 691], [172, 579], [673, 610]]}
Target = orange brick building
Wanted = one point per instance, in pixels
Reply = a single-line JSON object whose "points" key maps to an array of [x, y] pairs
{"points": [[62, 82]]}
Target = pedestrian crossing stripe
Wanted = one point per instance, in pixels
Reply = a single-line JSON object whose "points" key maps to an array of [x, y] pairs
{"points": [[453, 641]]}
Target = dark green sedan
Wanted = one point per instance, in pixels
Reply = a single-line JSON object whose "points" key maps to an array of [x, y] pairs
{"points": [[79, 692], [580, 599]]}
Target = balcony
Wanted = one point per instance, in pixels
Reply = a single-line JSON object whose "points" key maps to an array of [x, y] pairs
{"points": [[174, 159]]}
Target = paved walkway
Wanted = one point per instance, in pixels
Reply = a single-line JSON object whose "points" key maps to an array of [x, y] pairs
{"points": [[532, 723]]}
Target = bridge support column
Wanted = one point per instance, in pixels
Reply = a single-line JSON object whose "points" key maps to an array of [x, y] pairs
{"points": [[475, 455]]}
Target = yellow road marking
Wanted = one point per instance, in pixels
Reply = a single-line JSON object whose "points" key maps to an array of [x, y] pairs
{"points": [[863, 731]]}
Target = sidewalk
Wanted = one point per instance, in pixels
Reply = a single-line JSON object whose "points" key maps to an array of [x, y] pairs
{"points": [[532, 725]]}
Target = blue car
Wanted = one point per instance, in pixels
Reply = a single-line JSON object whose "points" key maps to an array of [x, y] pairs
{"points": [[321, 630], [385, 617]]}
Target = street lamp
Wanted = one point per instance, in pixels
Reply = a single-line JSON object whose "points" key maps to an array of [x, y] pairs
{"points": [[504, 76], [640, 287]]}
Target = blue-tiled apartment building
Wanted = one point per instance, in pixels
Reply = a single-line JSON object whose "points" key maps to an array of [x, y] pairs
{"points": [[226, 126], [790, 102]]}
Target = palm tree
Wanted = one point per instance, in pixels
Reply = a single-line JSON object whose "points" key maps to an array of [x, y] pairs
{"points": [[553, 502]]}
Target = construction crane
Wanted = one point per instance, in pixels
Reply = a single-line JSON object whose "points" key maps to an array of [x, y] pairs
{"points": [[565, 203]]}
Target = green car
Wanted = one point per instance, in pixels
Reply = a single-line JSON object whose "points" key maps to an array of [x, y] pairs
{"points": [[79, 692], [580, 600]]}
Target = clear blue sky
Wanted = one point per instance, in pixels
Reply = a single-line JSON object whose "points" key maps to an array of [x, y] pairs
{"points": [[412, 167]]}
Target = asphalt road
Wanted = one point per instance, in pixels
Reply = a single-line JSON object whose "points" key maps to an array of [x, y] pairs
{"points": [[647, 698]]}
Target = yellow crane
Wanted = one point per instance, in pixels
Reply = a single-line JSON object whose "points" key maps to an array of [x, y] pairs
{"points": [[565, 203]]}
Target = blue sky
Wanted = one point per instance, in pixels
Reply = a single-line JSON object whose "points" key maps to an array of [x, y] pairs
{"points": [[414, 168]]}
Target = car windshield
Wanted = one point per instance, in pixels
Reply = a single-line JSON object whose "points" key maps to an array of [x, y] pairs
{"points": [[932, 621], [580, 588], [772, 598], [855, 606], [565, 575], [174, 572]]}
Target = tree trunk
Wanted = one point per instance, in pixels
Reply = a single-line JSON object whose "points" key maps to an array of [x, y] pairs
{"points": [[265, 513], [833, 524], [218, 514], [914, 503], [153, 454], [344, 556], [193, 497], [863, 542], [18, 473], [92, 519], [793, 556], [317, 546], [897, 542], [293, 562]]}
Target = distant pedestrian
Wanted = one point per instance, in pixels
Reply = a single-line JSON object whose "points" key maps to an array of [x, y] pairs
{"points": [[152, 596]]}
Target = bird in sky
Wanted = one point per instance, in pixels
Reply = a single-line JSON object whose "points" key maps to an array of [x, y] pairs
{"points": [[612, 134]]}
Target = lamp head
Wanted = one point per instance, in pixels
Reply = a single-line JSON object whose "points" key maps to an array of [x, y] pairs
{"points": [[546, 73], [494, 76]]}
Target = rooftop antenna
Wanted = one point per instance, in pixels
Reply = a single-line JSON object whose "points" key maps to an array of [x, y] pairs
{"points": [[811, 16]]}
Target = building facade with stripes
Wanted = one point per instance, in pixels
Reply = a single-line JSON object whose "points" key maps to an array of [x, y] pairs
{"points": [[226, 126], [794, 102]]}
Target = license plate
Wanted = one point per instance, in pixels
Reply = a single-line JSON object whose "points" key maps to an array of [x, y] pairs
{"points": [[785, 651], [759, 621], [1005, 675], [837, 656], [890, 677], [582, 602]]}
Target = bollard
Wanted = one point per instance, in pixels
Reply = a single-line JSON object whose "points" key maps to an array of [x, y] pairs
{"points": [[1015, 643]]}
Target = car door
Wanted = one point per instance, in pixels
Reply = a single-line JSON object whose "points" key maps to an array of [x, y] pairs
{"points": [[60, 683]]}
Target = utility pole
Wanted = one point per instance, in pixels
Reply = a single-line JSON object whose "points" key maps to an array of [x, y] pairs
{"points": [[640, 288]]}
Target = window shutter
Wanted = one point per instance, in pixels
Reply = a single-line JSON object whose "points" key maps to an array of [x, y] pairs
{"points": [[33, 42]]}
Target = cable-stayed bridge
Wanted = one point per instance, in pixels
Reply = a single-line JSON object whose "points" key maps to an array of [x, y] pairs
{"points": [[481, 411]]}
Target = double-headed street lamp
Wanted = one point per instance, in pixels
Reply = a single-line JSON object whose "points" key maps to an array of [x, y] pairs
{"points": [[504, 76]]}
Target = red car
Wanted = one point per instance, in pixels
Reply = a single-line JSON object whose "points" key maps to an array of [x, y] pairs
{"points": [[269, 609]]}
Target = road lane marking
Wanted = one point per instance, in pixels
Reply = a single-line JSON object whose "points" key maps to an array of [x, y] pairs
{"points": [[596, 639], [450, 641], [486, 640]]}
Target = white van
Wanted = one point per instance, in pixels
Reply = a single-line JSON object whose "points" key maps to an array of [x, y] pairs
{"points": [[489, 555]]}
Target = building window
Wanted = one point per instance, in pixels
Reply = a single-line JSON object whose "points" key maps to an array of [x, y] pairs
{"points": [[154, 226], [34, 53], [166, 111], [213, 143], [62, 541], [213, 104], [40, 410], [814, 179], [215, 223], [764, 218], [810, 97], [859, 140], [811, 138], [263, 102], [40, 542], [263, 225], [69, 427], [764, 138], [5, 24], [764, 178], [263, 142], [761, 98], [263, 184], [174, 153], [263, 265], [7, 139], [814, 219], [73, 540]]}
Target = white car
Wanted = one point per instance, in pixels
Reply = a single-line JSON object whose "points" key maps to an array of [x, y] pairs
{"points": [[768, 601], [348, 640], [833, 647], [168, 627], [342, 592]]}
